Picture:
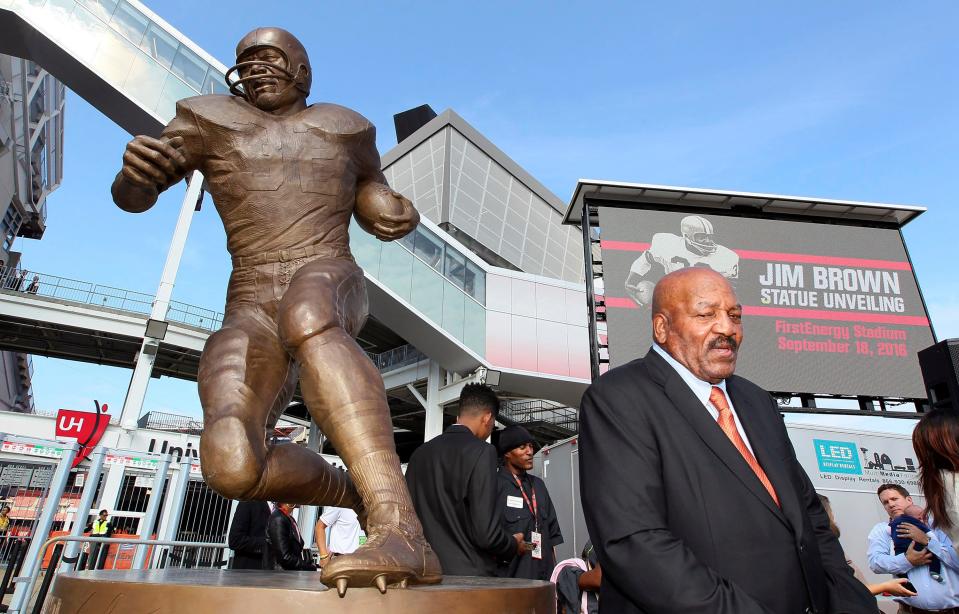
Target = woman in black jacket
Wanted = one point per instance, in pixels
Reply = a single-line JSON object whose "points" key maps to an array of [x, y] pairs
{"points": [[284, 543]]}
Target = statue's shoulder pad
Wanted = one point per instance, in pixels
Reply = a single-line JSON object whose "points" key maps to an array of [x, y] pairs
{"points": [[335, 119], [210, 105]]}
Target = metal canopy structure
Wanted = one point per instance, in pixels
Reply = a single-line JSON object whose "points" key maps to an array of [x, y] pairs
{"points": [[799, 207]]}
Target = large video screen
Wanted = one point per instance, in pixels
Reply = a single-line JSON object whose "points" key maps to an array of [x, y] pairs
{"points": [[827, 308]]}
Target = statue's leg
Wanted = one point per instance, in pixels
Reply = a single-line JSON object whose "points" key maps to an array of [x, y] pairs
{"points": [[246, 379], [319, 316]]}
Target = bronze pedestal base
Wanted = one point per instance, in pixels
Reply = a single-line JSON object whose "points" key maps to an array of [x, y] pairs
{"points": [[174, 591]]}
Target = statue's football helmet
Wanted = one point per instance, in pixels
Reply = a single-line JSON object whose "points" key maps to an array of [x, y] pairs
{"points": [[297, 71], [698, 233]]}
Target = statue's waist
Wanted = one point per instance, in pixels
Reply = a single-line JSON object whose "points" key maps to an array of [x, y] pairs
{"points": [[294, 253]]}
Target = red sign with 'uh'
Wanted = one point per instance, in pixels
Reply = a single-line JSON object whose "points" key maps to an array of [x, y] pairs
{"points": [[85, 426]]}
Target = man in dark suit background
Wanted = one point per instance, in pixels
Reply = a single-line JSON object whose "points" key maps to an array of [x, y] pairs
{"points": [[247, 536], [691, 489], [452, 479]]}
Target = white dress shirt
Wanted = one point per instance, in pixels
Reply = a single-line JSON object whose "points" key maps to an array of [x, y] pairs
{"points": [[930, 595], [702, 390]]}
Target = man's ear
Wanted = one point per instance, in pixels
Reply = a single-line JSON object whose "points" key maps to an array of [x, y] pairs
{"points": [[660, 328]]}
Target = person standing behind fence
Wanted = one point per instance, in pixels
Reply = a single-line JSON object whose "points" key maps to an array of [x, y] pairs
{"points": [[247, 536], [100, 527], [936, 442], [4, 519], [284, 542]]}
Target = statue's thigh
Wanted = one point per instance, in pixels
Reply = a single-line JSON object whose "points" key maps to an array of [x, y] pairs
{"points": [[323, 294], [244, 369]]}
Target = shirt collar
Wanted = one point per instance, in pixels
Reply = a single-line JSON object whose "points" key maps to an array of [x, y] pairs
{"points": [[700, 388]]}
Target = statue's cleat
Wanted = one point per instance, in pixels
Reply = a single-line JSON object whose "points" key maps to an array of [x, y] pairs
{"points": [[388, 558]]}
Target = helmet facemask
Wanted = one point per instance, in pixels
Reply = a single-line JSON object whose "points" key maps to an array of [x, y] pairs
{"points": [[275, 80], [698, 233]]}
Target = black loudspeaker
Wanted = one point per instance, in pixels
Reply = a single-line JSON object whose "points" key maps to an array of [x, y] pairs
{"points": [[940, 372], [408, 122]]}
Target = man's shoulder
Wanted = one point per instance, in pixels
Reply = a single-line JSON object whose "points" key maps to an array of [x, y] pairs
{"points": [[631, 374], [449, 442], [335, 119], [880, 529]]}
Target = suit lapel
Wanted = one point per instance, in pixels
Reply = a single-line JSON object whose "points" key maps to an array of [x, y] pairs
{"points": [[708, 430], [756, 418]]}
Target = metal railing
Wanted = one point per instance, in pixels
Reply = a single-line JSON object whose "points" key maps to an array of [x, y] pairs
{"points": [[164, 421], [541, 410], [397, 357], [99, 295], [161, 554]]}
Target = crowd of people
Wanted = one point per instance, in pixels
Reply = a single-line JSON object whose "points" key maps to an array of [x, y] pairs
{"points": [[693, 487]]}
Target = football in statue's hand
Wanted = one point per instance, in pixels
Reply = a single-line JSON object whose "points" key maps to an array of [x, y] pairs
{"points": [[373, 199]]}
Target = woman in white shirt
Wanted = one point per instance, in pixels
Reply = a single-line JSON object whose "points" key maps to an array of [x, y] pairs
{"points": [[936, 442]]}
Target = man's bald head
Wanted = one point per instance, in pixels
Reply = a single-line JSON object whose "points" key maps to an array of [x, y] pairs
{"points": [[675, 286], [697, 319]]}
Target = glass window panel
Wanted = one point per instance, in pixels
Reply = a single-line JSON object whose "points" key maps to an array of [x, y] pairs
{"points": [[59, 9], [189, 67], [429, 248], [160, 45], [114, 57], [130, 22], [453, 307], [408, 242], [101, 8], [173, 90], [474, 327], [427, 295], [145, 81], [395, 269], [85, 33], [214, 83], [475, 282], [366, 249], [455, 267]]}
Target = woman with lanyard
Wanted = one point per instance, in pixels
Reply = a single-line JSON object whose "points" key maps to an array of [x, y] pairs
{"points": [[526, 507]]}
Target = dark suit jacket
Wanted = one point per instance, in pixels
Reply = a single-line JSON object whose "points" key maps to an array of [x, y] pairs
{"points": [[680, 521], [284, 545], [247, 536], [452, 479]]}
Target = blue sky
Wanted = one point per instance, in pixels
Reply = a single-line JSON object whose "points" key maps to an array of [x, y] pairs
{"points": [[838, 100]]}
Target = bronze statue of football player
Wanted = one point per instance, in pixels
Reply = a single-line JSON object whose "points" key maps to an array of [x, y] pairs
{"points": [[285, 178]]}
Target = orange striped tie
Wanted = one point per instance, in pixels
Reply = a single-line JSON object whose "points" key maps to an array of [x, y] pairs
{"points": [[728, 423]]}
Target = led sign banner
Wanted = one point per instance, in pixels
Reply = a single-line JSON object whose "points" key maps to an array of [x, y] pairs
{"points": [[827, 308]]}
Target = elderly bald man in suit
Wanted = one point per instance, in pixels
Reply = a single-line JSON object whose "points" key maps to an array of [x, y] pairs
{"points": [[691, 489]]}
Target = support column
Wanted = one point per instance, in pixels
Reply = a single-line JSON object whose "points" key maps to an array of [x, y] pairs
{"points": [[137, 390], [153, 507], [434, 410], [308, 513], [86, 502]]}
